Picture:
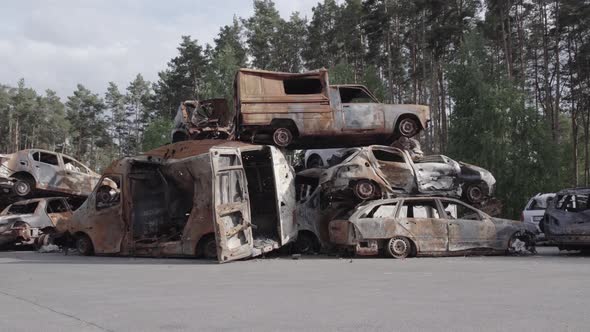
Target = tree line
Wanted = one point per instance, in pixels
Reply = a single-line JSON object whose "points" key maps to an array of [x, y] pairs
{"points": [[507, 82]]}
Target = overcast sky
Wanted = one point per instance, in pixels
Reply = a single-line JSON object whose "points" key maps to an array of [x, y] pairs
{"points": [[56, 44]]}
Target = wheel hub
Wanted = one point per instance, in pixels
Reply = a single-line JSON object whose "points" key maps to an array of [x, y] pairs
{"points": [[281, 136], [366, 189], [407, 127], [21, 187]]}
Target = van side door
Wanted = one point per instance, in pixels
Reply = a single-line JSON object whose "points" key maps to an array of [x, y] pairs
{"points": [[232, 223], [285, 196]]}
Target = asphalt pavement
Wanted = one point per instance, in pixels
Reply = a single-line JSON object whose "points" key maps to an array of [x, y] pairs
{"points": [[54, 292]]}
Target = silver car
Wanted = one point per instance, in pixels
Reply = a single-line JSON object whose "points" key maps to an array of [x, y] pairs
{"points": [[35, 171], [535, 210], [25, 221], [434, 226]]}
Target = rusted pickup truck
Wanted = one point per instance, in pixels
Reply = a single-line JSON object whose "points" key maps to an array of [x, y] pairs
{"points": [[295, 110]]}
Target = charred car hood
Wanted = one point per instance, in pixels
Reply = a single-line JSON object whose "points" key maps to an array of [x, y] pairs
{"points": [[515, 223]]}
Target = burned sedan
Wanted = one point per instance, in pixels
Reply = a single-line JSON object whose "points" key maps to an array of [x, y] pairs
{"points": [[208, 198], [383, 171], [566, 222], [428, 226], [202, 119], [37, 172], [27, 221]]}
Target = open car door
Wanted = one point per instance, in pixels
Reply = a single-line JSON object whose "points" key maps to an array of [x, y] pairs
{"points": [[233, 232], [285, 200]]}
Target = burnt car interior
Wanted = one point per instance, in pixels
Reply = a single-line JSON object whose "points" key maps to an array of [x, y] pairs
{"points": [[28, 208], [262, 192], [573, 203], [161, 205]]}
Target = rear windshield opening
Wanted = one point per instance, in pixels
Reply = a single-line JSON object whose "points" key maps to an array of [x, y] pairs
{"points": [[23, 208], [305, 86], [388, 156]]}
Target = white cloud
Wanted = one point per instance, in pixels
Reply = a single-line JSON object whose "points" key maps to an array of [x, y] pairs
{"points": [[58, 44]]}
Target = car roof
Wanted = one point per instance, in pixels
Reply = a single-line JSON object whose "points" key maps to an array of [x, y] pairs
{"points": [[574, 191]]}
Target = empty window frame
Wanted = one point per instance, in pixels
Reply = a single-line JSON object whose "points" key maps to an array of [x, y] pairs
{"points": [[352, 95], [46, 158], [302, 86]]}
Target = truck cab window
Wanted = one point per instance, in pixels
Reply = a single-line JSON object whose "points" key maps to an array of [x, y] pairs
{"points": [[355, 95]]}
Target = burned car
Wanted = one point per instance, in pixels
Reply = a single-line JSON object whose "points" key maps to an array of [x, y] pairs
{"points": [[209, 198], [35, 172], [566, 222], [428, 226], [382, 171], [202, 119], [290, 109], [27, 221]]}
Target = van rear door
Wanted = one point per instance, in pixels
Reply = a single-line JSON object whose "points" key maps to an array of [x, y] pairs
{"points": [[285, 192], [233, 232]]}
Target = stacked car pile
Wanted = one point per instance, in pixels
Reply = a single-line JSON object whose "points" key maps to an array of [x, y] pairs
{"points": [[31, 183], [212, 194]]}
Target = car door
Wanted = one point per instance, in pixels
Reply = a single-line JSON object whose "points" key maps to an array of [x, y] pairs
{"points": [[285, 196], [103, 217], [468, 228], [232, 224], [75, 176], [48, 171], [395, 168], [360, 111], [422, 218], [57, 209]]}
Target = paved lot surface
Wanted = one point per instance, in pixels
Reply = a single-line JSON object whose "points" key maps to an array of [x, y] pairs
{"points": [[53, 292]]}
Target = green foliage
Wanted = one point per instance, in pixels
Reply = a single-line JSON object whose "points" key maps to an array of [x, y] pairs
{"points": [[491, 127], [157, 134]]}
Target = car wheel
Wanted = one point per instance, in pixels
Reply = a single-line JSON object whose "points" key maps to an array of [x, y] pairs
{"points": [[282, 137], [22, 187], [314, 161], [521, 243], [399, 247], [365, 189], [84, 245], [474, 194], [305, 244], [408, 127], [208, 248]]}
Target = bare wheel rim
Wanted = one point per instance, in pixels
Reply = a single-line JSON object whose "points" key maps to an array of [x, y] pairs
{"points": [[22, 188], [282, 137], [399, 247], [408, 127], [365, 189], [475, 193]]}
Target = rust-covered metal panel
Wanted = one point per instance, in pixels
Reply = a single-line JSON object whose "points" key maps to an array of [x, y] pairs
{"points": [[173, 200], [309, 108]]}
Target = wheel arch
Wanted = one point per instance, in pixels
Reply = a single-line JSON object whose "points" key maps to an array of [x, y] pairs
{"points": [[406, 116], [286, 123]]}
